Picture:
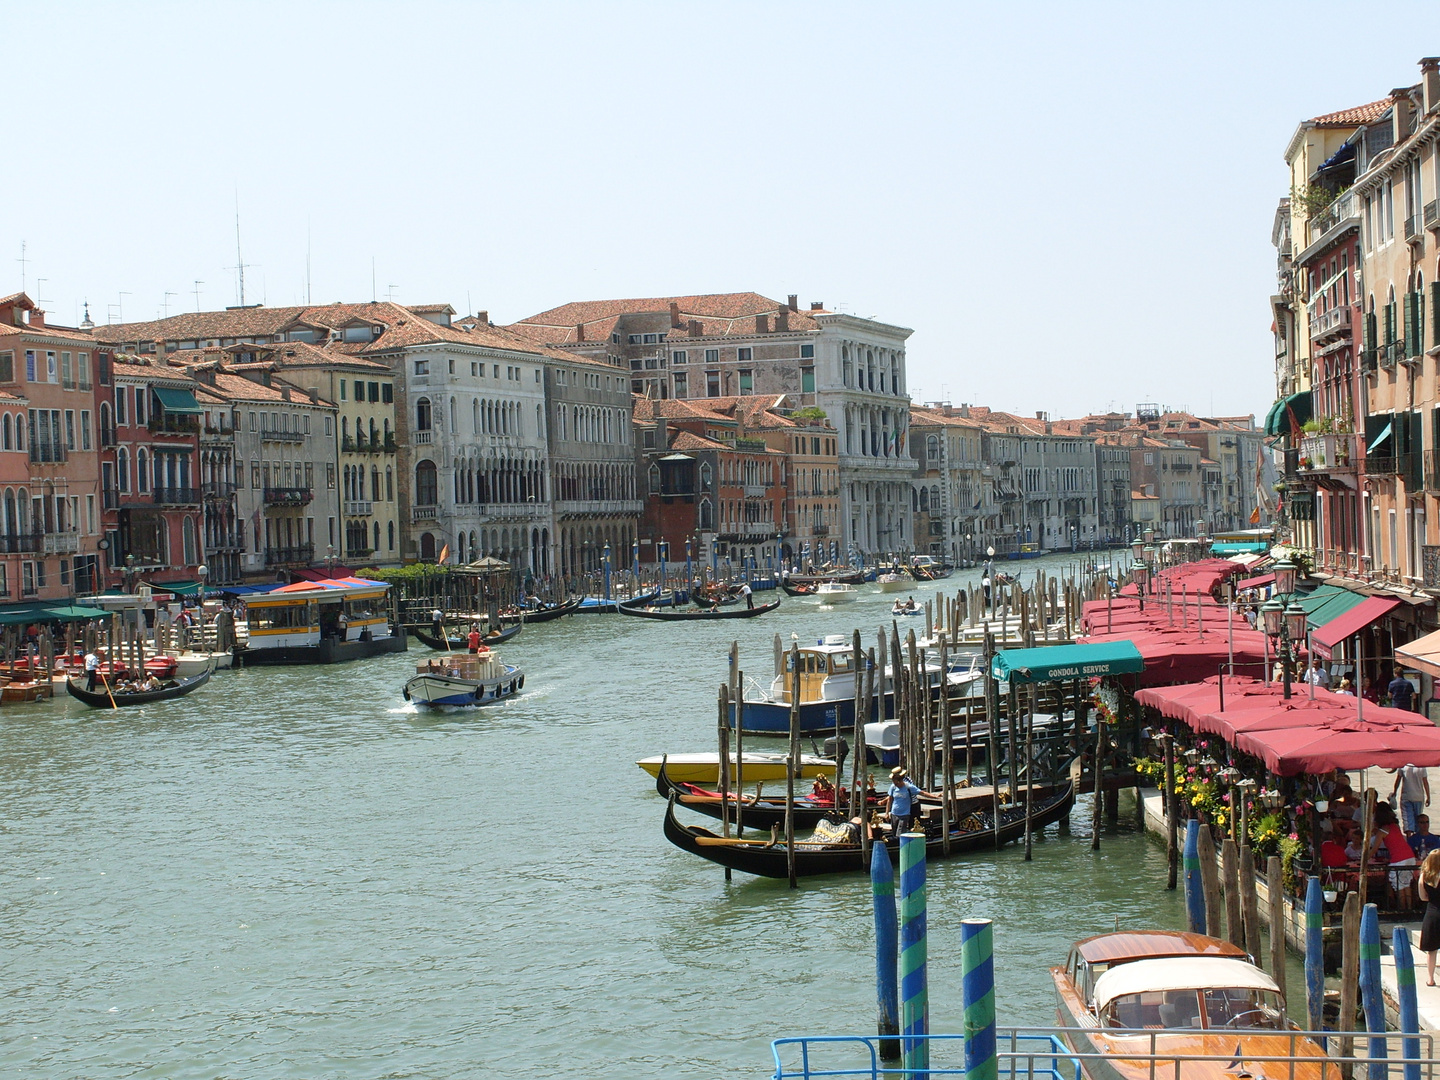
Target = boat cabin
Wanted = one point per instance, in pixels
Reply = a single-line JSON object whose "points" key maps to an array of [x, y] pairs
{"points": [[1191, 992], [302, 614], [827, 671], [1093, 957]]}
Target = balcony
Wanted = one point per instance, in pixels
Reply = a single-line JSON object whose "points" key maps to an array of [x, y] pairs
{"points": [[183, 427], [1414, 231], [424, 513], [46, 453], [390, 446], [282, 436], [1432, 215], [361, 508], [1341, 208], [107, 435], [20, 543], [217, 490], [1369, 360], [1392, 352], [212, 435], [65, 543], [288, 496], [1329, 324], [177, 496], [819, 530], [1384, 465], [300, 553], [755, 491], [610, 507], [423, 438], [1327, 453], [358, 553]]}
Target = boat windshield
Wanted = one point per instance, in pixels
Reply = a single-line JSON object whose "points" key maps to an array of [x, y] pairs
{"points": [[1211, 1007], [840, 662]]}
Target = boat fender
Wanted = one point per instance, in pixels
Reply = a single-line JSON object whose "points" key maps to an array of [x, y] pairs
{"points": [[479, 693], [522, 682]]}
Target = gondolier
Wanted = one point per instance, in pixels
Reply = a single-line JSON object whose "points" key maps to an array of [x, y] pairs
{"points": [[901, 800], [745, 592], [92, 669], [437, 622]]}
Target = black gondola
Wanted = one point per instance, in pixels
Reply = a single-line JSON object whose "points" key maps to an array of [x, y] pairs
{"points": [[539, 615], [797, 590], [764, 858], [684, 614], [461, 643], [120, 698]]}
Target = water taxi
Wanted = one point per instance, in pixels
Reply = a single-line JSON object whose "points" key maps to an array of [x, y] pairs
{"points": [[320, 622], [893, 582], [1148, 1000], [836, 592], [464, 679]]}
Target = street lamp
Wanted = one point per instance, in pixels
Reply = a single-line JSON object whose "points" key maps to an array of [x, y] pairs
{"points": [[130, 573], [1287, 624], [1141, 574]]}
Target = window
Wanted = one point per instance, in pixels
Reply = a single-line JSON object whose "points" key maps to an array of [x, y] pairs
{"points": [[681, 387], [1149, 458], [807, 352], [747, 381], [427, 486], [51, 370], [743, 353], [372, 391], [807, 380], [83, 360], [422, 367], [139, 406], [70, 429], [67, 372], [387, 393], [7, 366], [422, 415], [122, 469], [679, 356], [121, 413], [712, 356], [342, 390], [634, 339], [330, 475], [712, 384]]}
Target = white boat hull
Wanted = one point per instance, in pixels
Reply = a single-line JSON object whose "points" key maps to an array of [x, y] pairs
{"points": [[894, 583], [438, 688]]}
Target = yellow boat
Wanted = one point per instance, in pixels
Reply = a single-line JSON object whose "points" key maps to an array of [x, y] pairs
{"points": [[760, 765]]}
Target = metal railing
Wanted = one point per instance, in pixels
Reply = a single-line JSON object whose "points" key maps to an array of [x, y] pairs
{"points": [[174, 425], [1391, 352], [177, 496], [216, 489], [1432, 214], [282, 436], [1413, 227], [298, 553], [107, 435], [359, 508], [423, 437], [288, 496], [1338, 210], [20, 543], [1387, 464], [65, 543]]}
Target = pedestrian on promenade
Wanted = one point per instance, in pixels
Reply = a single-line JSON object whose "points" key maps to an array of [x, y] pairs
{"points": [[1430, 925], [1412, 784]]}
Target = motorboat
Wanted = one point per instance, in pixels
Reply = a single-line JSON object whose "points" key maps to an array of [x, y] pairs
{"points": [[1148, 999], [906, 608], [758, 765], [836, 592], [320, 622], [894, 582], [464, 679]]}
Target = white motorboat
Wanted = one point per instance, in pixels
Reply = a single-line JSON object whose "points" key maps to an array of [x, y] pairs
{"points": [[464, 679], [835, 592], [893, 582], [762, 765]]}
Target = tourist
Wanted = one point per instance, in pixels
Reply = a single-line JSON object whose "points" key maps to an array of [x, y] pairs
{"points": [[1346, 686], [92, 669], [474, 638], [1387, 831], [1429, 887], [1401, 691], [1318, 675], [745, 592], [1412, 784], [901, 799], [1423, 841], [1332, 851]]}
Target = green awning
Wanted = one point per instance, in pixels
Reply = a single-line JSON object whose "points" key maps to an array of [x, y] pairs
{"points": [[73, 613], [1245, 547], [20, 614], [177, 401], [1384, 434], [1057, 662], [179, 588], [1328, 602], [1277, 420]]}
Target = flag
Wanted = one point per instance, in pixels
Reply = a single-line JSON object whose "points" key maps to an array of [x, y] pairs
{"points": [[1255, 516], [444, 554], [1294, 423]]}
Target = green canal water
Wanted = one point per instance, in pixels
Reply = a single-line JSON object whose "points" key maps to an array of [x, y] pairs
{"points": [[292, 873]]}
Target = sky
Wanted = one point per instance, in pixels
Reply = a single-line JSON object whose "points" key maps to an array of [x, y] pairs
{"points": [[1070, 204]]}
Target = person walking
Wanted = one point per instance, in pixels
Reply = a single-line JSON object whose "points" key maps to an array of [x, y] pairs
{"points": [[1412, 784], [746, 593], [1401, 690], [1429, 886], [901, 801]]}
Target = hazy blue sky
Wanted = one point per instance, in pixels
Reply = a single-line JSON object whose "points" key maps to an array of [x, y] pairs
{"points": [[1069, 203]]}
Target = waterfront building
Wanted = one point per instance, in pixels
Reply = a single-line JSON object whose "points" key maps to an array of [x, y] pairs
{"points": [[49, 506], [742, 344], [1169, 471], [150, 422], [949, 496], [1115, 493], [224, 529]]}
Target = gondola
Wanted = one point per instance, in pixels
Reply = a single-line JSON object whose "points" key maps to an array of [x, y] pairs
{"points": [[756, 812], [974, 832], [596, 605], [539, 615], [797, 590], [462, 643], [686, 614], [106, 699]]}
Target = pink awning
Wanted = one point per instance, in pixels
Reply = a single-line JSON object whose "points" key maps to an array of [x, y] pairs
{"points": [[1256, 582], [1325, 638]]}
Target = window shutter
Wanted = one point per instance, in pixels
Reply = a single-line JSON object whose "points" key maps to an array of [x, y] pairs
{"points": [[1418, 336], [1389, 323], [1408, 308], [1371, 334]]}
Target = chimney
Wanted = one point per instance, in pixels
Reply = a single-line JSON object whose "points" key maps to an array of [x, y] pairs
{"points": [[964, 411], [782, 320], [817, 305], [580, 331], [762, 324], [284, 392], [1430, 81], [674, 315], [1049, 429], [793, 302], [37, 319], [1039, 414], [1400, 117], [695, 328], [314, 394], [483, 317]]}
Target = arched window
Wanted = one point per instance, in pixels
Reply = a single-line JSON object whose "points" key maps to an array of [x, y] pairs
{"points": [[924, 499], [122, 468], [389, 534], [475, 415], [706, 515], [6, 434], [19, 433], [344, 427], [142, 475], [654, 479], [427, 485], [704, 476], [427, 545], [423, 421]]}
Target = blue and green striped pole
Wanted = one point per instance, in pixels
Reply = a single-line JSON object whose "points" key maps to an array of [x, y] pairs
{"points": [[977, 991], [1409, 1006], [887, 930], [1370, 992], [914, 994], [1194, 889], [1315, 953]]}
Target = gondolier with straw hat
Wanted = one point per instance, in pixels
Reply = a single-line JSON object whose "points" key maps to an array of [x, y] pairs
{"points": [[901, 801]]}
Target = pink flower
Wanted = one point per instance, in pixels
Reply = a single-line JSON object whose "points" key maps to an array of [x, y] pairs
{"points": [[1294, 836]]}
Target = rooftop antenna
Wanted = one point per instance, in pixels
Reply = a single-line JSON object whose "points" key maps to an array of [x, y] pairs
{"points": [[239, 262], [120, 304], [390, 293], [307, 264], [40, 288], [197, 294], [372, 279], [22, 260], [165, 303]]}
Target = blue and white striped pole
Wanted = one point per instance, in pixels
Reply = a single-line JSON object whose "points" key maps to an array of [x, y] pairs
{"points": [[977, 992], [914, 994], [887, 930], [1315, 953], [1409, 1005], [1194, 889], [1370, 992]]}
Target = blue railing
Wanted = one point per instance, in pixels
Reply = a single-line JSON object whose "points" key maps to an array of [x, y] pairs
{"points": [[1042, 1056]]}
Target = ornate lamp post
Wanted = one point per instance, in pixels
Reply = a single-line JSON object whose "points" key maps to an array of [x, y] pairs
{"points": [[1141, 574], [1287, 624]]}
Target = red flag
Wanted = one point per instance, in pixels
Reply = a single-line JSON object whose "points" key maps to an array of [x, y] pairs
{"points": [[1294, 423], [444, 554]]}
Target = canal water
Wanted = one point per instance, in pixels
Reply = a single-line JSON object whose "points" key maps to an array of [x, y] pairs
{"points": [[292, 873]]}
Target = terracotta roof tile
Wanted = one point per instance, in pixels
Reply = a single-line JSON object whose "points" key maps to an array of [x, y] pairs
{"points": [[1360, 114], [720, 315]]}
